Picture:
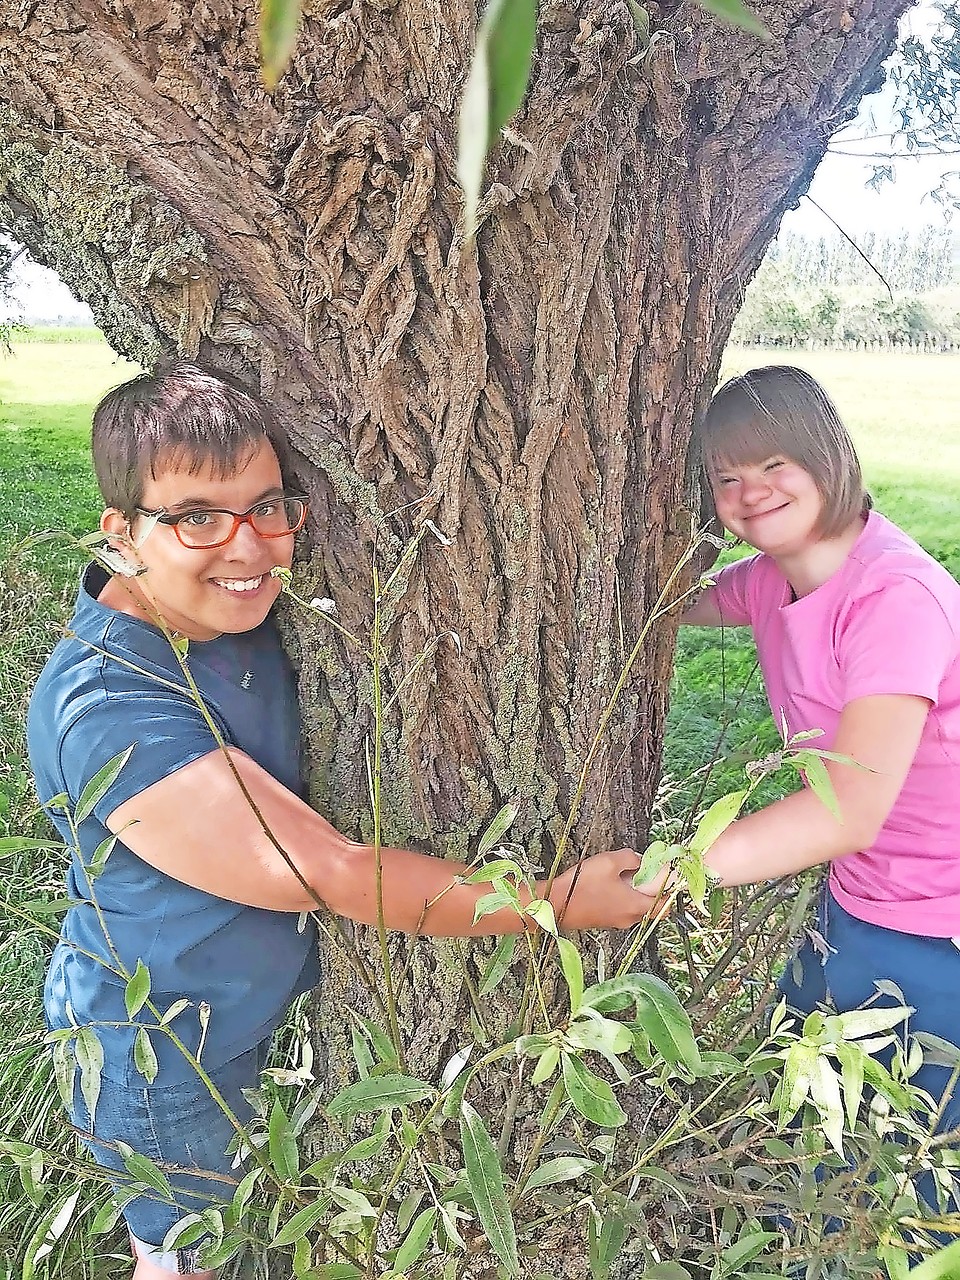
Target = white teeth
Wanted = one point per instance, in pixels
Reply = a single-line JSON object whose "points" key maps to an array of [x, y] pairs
{"points": [[237, 584]]}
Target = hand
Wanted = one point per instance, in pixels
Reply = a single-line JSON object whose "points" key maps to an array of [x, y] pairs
{"points": [[597, 893]]}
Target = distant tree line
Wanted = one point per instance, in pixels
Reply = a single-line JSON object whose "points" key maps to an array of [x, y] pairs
{"points": [[820, 291]]}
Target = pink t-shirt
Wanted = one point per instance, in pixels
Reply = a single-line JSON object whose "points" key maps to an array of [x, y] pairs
{"points": [[887, 622]]}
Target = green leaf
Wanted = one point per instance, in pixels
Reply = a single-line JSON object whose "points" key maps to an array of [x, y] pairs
{"points": [[416, 1240], [178, 1006], [144, 1056], [591, 1095], [716, 820], [379, 1040], [655, 857], [737, 14], [661, 1016], [562, 1169], [185, 1232], [798, 1068], [605, 1243], [498, 964], [242, 1194], [485, 1179], [51, 1226], [137, 990], [572, 971], [378, 1093], [546, 1065], [601, 1035], [495, 87], [612, 995], [100, 784], [51, 906], [338, 1271], [145, 1170], [491, 902], [542, 911], [495, 870], [494, 833], [819, 782], [89, 1053], [64, 1070], [826, 1096], [866, 1022], [944, 1265], [107, 1217], [19, 844], [851, 1075], [695, 876], [666, 1271], [301, 1222], [745, 1250], [279, 24], [284, 1153], [98, 859]]}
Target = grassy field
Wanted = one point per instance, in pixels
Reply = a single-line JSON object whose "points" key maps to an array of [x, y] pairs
{"points": [[903, 410]]}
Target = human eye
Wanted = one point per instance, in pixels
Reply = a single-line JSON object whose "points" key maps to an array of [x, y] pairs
{"points": [[267, 509], [197, 519], [774, 464]]}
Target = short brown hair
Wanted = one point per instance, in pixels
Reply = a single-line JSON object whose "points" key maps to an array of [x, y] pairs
{"points": [[183, 413], [780, 409]]}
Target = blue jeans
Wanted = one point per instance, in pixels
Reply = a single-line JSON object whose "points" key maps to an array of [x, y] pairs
{"points": [[927, 971], [183, 1130]]}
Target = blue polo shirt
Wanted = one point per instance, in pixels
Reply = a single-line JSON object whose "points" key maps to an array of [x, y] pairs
{"points": [[115, 682]]}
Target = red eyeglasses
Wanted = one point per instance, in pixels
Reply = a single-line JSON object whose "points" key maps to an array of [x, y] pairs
{"points": [[206, 527]]}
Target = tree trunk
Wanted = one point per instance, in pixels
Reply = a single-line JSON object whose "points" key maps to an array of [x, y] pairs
{"points": [[533, 394]]}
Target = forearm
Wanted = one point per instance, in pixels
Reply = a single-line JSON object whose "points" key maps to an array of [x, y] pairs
{"points": [[788, 836], [419, 894]]}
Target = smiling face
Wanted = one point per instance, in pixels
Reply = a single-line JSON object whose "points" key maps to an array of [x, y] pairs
{"points": [[202, 593], [774, 505]]}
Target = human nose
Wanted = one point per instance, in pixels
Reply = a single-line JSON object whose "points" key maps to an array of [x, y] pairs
{"points": [[754, 487], [245, 540]]}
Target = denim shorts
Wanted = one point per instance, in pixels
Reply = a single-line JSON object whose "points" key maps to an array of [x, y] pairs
{"points": [[182, 1129]]}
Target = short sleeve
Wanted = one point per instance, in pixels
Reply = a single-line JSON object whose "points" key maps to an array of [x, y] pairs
{"points": [[164, 728], [731, 592], [896, 640]]}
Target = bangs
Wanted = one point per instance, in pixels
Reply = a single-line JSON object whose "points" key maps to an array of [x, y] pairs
{"points": [[743, 442], [222, 456]]}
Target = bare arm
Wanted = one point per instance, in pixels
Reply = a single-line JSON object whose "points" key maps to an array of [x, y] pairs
{"points": [[196, 826], [799, 831], [703, 610]]}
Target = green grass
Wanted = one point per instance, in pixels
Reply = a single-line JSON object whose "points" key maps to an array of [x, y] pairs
{"points": [[85, 335], [47, 392]]}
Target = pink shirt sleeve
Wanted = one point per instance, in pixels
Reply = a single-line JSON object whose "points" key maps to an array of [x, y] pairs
{"points": [[731, 592], [895, 640]]}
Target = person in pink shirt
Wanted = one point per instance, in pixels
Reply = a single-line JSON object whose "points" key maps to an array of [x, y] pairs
{"points": [[858, 635]]}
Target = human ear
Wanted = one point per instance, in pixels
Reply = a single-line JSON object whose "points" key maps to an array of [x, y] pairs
{"points": [[119, 551]]}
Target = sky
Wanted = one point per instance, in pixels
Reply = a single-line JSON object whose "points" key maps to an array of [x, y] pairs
{"points": [[839, 187]]}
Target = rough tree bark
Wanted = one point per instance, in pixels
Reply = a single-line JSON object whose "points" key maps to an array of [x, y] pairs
{"points": [[533, 394]]}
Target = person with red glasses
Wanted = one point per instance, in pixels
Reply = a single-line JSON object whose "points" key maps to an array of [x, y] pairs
{"points": [[198, 513]]}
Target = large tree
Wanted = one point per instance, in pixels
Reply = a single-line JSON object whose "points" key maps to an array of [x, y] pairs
{"points": [[531, 392]]}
